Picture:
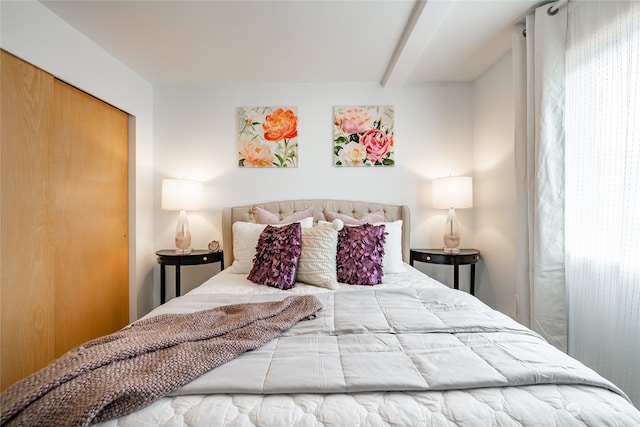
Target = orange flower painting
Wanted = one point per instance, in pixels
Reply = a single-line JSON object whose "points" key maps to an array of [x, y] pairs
{"points": [[267, 137], [363, 136]]}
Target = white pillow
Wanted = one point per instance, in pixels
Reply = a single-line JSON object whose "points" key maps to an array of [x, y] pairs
{"points": [[317, 263], [245, 240], [392, 261]]}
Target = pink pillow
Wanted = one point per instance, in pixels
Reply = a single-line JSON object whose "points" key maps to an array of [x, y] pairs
{"points": [[263, 216], [360, 253], [277, 255], [377, 216]]}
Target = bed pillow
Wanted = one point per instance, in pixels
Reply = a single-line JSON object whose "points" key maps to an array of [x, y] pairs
{"points": [[277, 253], [263, 216], [317, 264], [245, 240], [359, 255], [373, 217], [392, 262]]}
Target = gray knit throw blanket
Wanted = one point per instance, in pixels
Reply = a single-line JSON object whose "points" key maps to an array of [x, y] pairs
{"points": [[120, 373]]}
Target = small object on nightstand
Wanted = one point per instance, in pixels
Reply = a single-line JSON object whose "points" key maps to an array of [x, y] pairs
{"points": [[440, 256], [196, 257], [214, 246]]}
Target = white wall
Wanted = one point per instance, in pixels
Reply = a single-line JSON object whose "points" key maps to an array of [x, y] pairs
{"points": [[33, 33], [195, 137], [191, 132], [494, 187]]}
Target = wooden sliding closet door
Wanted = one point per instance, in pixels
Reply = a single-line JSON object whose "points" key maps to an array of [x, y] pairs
{"points": [[63, 240], [27, 339], [88, 188]]}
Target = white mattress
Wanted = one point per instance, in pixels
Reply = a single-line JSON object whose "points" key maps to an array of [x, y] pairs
{"points": [[535, 405]]}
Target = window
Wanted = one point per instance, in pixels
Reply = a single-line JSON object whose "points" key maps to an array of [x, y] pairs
{"points": [[602, 212]]}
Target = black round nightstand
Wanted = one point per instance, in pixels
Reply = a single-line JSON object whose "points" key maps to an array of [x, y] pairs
{"points": [[439, 256], [196, 257]]}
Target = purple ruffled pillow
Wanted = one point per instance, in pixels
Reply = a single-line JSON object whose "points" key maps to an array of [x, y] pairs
{"points": [[277, 253], [360, 253]]}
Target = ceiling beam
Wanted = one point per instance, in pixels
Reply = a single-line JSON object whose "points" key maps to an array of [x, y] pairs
{"points": [[425, 19]]}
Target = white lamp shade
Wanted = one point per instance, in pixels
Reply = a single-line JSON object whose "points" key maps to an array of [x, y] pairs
{"points": [[452, 192], [178, 194]]}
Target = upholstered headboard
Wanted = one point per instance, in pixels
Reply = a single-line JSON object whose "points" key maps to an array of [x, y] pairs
{"points": [[287, 207]]}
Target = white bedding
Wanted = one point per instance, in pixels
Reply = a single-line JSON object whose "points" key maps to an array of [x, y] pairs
{"points": [[487, 398], [238, 284]]}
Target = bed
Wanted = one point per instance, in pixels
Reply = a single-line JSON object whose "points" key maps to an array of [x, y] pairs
{"points": [[408, 351]]}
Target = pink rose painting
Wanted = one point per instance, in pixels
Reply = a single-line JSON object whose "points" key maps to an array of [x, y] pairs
{"points": [[267, 137], [363, 136]]}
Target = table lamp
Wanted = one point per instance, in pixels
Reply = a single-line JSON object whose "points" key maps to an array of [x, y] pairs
{"points": [[182, 195], [450, 193]]}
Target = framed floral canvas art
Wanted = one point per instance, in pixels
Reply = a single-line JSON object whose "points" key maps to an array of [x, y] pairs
{"points": [[363, 136], [267, 137]]}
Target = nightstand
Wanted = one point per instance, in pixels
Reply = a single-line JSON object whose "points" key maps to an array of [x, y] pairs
{"points": [[438, 256], [196, 257]]}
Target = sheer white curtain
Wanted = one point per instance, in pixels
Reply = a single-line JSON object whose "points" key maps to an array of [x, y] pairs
{"points": [[603, 189], [539, 66], [577, 77]]}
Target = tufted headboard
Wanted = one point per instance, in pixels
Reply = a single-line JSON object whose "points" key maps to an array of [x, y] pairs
{"points": [[286, 207]]}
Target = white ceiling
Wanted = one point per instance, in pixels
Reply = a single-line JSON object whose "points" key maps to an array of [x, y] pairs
{"points": [[391, 42]]}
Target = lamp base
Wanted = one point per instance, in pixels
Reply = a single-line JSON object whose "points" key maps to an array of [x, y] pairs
{"points": [[451, 235], [183, 235]]}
